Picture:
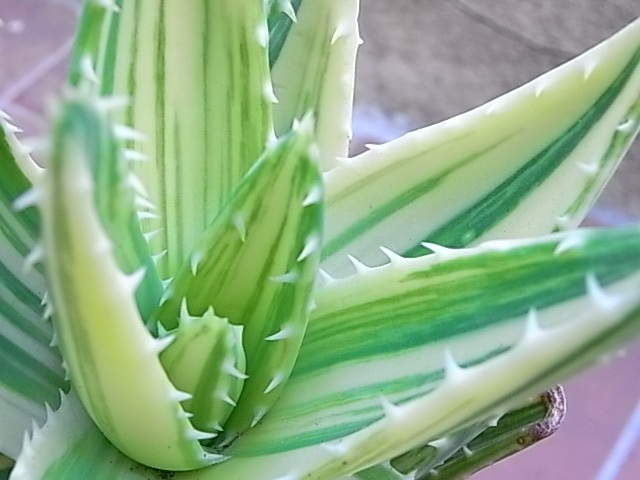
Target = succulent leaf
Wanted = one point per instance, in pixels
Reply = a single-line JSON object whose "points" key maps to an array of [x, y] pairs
{"points": [[117, 204], [69, 445], [206, 360], [424, 459], [16, 158], [530, 162], [199, 73], [256, 266], [101, 332], [385, 331], [405, 426], [396, 369], [512, 433], [282, 15], [90, 39], [315, 72], [31, 373]]}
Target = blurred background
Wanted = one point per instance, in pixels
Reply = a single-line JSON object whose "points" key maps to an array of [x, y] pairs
{"points": [[423, 61]]}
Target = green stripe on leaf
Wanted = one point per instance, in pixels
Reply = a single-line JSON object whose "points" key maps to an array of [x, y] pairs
{"points": [[101, 333], [31, 372], [315, 72], [256, 266], [204, 108], [206, 360], [529, 162], [395, 321]]}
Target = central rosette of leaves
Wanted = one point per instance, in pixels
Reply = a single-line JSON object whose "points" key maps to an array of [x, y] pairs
{"points": [[179, 335], [208, 361]]}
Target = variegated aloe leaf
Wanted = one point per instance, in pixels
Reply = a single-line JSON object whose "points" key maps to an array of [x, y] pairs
{"points": [[453, 457], [603, 320], [31, 373], [117, 189], [256, 265], [396, 323], [571, 297], [206, 359], [120, 201], [282, 15], [315, 72], [91, 38], [111, 357], [70, 446], [199, 73], [425, 458], [510, 434], [530, 162]]}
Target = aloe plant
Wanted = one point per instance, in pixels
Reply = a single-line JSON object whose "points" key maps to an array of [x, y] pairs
{"points": [[233, 297]]}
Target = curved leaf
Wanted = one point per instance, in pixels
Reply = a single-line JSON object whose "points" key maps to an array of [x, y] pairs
{"points": [[69, 445], [31, 373], [256, 266], [100, 330], [315, 72], [198, 71], [385, 331], [207, 361], [529, 163], [448, 459]]}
